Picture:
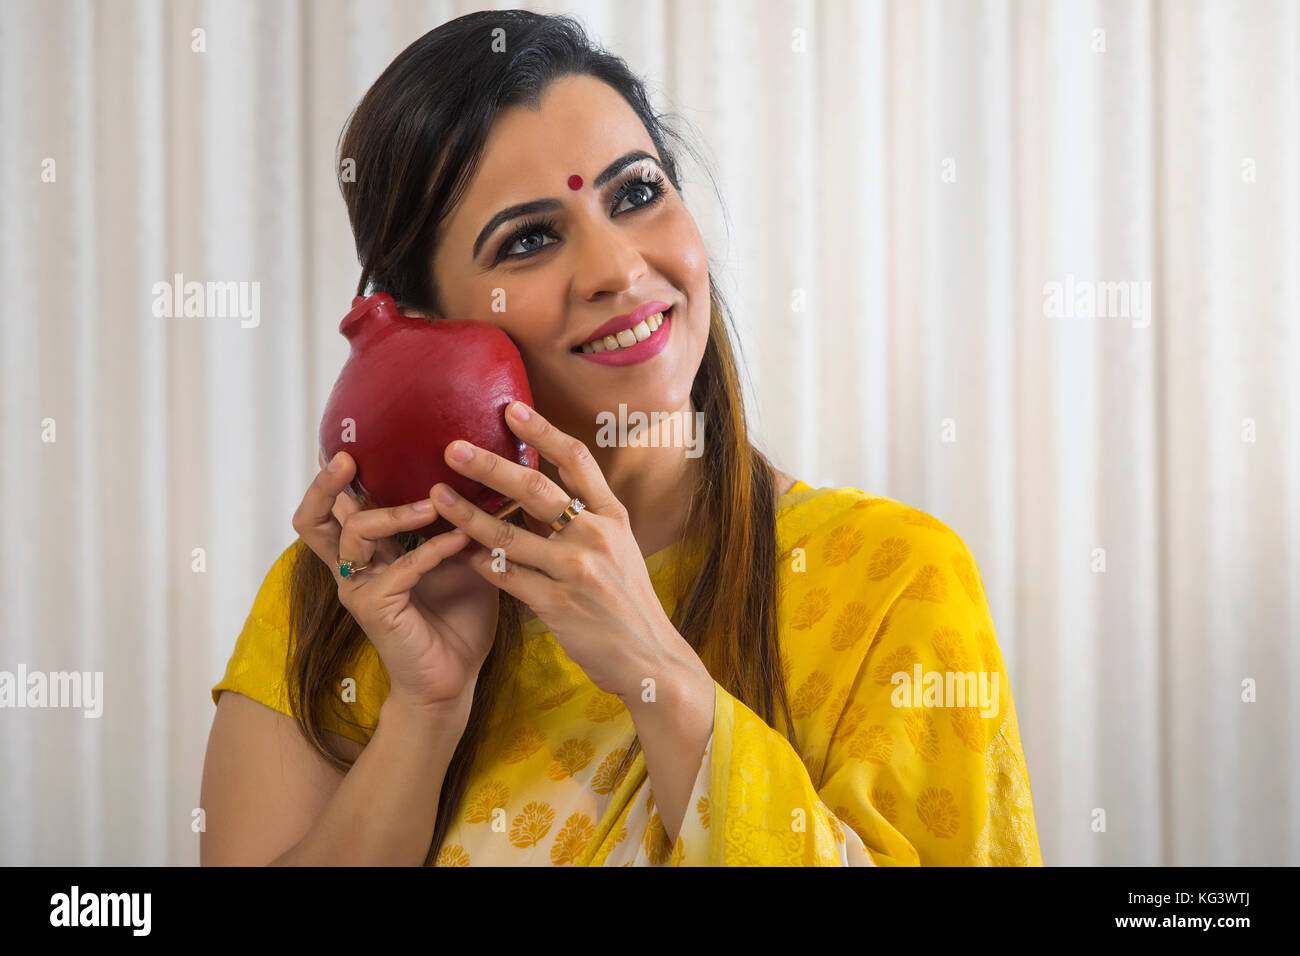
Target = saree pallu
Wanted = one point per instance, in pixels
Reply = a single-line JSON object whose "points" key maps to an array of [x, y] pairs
{"points": [[899, 696]]}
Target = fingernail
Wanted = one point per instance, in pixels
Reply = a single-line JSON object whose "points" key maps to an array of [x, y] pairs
{"points": [[423, 505], [520, 411], [334, 462], [461, 451], [445, 495]]}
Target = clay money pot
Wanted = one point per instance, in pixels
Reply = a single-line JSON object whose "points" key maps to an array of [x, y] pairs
{"points": [[410, 388]]}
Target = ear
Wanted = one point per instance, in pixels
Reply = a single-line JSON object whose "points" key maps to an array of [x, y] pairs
{"points": [[410, 311]]}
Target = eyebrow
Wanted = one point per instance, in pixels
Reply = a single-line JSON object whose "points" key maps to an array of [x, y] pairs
{"points": [[546, 205]]}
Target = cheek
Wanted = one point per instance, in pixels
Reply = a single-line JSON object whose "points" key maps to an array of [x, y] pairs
{"points": [[501, 303], [686, 249], [537, 337]]}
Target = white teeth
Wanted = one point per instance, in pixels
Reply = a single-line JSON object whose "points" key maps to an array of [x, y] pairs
{"points": [[627, 338]]}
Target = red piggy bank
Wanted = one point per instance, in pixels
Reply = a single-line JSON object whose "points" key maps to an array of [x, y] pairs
{"points": [[410, 388]]}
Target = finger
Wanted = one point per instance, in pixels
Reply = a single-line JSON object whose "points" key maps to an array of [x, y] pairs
{"points": [[578, 469], [539, 496], [334, 510], [403, 574], [363, 530], [314, 520], [525, 583], [346, 504], [519, 544]]}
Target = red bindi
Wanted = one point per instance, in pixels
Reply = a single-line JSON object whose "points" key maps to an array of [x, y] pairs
{"points": [[575, 181]]}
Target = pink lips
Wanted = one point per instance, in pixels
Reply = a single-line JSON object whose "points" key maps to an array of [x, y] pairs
{"points": [[638, 353]]}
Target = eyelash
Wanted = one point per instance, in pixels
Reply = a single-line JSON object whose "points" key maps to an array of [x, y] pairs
{"points": [[652, 179]]}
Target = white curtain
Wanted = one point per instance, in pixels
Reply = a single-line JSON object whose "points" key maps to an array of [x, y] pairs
{"points": [[903, 184]]}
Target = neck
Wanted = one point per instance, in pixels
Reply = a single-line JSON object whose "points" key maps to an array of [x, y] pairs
{"points": [[654, 484]]}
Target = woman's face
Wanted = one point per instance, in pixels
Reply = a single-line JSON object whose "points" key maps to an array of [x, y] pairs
{"points": [[610, 246]]}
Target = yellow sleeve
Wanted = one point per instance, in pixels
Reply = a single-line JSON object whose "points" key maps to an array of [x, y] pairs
{"points": [[754, 803], [888, 778], [257, 666]]}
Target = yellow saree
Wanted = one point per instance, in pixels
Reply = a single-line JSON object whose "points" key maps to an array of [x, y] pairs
{"points": [[926, 770]]}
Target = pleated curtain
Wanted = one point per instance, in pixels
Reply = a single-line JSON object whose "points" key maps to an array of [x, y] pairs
{"points": [[909, 206]]}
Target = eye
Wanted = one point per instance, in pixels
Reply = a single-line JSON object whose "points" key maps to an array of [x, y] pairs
{"points": [[527, 230], [645, 188], [647, 185]]}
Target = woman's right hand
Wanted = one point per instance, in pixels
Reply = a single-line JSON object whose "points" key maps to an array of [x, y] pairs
{"points": [[431, 617]]}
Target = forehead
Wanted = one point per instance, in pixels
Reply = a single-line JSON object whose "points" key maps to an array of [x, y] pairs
{"points": [[580, 126]]}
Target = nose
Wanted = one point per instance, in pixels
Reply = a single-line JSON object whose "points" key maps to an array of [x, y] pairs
{"points": [[608, 260]]}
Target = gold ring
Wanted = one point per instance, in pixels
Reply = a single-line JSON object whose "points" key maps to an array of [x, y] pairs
{"points": [[568, 514]]}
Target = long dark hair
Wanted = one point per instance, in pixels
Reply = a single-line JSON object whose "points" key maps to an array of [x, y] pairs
{"points": [[414, 141]]}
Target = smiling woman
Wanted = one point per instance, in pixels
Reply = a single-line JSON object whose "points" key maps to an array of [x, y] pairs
{"points": [[663, 658]]}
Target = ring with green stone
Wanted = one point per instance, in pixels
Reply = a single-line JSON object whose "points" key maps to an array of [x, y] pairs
{"points": [[347, 568]]}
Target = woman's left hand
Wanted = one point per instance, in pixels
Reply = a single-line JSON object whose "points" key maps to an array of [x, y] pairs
{"points": [[588, 583]]}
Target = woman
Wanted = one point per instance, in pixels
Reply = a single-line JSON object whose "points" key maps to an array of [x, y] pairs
{"points": [[707, 664]]}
